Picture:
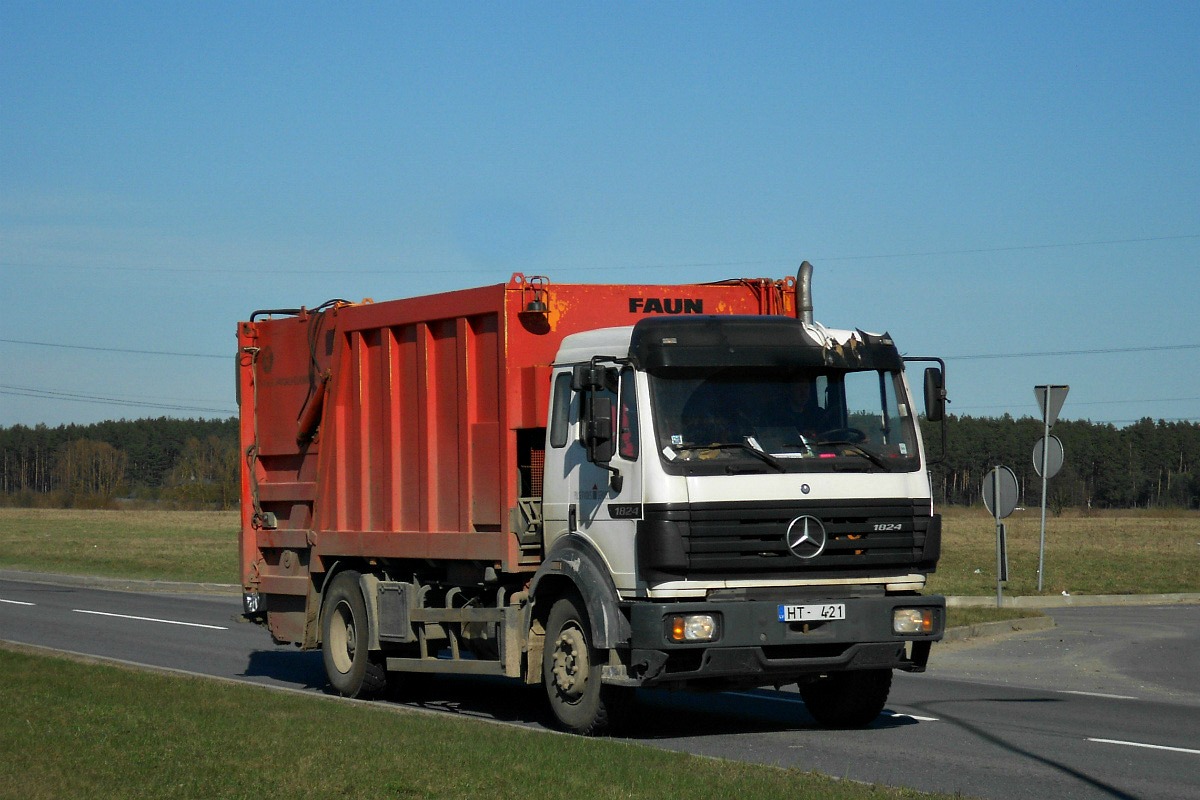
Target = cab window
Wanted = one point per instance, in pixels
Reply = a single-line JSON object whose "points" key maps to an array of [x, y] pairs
{"points": [[627, 418], [560, 419]]}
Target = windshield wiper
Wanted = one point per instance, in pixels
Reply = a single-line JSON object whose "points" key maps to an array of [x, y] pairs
{"points": [[765, 457], [871, 456]]}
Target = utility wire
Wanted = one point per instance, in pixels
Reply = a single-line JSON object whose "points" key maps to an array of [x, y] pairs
{"points": [[1010, 248], [1114, 402], [1105, 351], [1139, 419], [114, 349], [970, 357], [398, 270], [46, 394]]}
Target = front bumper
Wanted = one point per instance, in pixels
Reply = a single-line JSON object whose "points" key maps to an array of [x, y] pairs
{"points": [[755, 648]]}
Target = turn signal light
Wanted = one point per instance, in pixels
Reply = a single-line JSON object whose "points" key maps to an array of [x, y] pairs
{"points": [[693, 627], [912, 620]]}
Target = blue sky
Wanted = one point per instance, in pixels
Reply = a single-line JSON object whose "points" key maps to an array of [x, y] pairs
{"points": [[1012, 186]]}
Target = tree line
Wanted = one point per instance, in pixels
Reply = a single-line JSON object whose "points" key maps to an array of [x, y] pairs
{"points": [[194, 463], [191, 463], [1149, 464]]}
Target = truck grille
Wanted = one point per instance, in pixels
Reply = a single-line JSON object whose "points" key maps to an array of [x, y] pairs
{"points": [[724, 539]]}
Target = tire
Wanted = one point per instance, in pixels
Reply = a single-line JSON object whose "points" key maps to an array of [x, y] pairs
{"points": [[847, 699], [351, 669], [571, 670]]}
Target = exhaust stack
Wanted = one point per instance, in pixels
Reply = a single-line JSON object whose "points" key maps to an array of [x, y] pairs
{"points": [[804, 293]]}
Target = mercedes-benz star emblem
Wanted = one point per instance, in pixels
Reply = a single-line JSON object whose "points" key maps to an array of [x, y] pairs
{"points": [[805, 537]]}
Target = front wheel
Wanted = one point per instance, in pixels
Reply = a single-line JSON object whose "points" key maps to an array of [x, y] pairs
{"points": [[847, 699], [571, 670], [351, 668]]}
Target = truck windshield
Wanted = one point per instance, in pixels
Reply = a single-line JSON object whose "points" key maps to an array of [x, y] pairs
{"points": [[721, 420]]}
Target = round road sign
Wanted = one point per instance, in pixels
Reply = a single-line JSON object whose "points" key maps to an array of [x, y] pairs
{"points": [[1000, 492], [1054, 459]]}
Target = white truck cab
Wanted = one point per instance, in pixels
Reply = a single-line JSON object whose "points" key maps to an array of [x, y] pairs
{"points": [[748, 501]]}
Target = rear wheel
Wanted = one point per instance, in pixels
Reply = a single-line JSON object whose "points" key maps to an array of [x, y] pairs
{"points": [[571, 670], [352, 670], [847, 699]]}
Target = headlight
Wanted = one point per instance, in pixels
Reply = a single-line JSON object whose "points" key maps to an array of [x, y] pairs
{"points": [[251, 604], [912, 620], [693, 627]]}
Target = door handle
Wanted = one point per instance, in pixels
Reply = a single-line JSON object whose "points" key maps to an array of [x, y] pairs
{"points": [[572, 519]]}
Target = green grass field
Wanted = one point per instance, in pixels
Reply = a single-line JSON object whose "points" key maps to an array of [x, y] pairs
{"points": [[72, 729], [84, 729], [1117, 552], [197, 546], [1112, 552]]}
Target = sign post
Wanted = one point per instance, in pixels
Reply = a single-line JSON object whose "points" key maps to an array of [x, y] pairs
{"points": [[1050, 400], [1000, 497]]}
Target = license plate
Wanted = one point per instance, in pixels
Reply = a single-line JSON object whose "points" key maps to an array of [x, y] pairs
{"points": [[812, 612]]}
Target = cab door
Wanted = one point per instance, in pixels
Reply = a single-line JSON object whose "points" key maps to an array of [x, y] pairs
{"points": [[599, 460]]}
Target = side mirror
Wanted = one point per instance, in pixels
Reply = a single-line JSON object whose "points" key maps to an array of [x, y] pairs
{"points": [[599, 430], [935, 394], [585, 378], [601, 441]]}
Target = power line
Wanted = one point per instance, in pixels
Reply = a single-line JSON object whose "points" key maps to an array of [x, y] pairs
{"points": [[612, 267], [1104, 351], [21, 391], [971, 357], [1010, 248], [399, 270], [46, 394], [114, 349], [1139, 419], [1108, 402]]}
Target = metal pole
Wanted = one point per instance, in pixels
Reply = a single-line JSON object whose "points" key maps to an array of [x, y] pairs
{"points": [[996, 512], [1045, 469]]}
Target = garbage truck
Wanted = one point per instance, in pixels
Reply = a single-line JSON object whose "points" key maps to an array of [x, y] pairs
{"points": [[594, 488]]}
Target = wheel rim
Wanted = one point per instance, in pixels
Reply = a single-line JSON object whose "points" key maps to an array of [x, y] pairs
{"points": [[342, 642], [570, 664]]}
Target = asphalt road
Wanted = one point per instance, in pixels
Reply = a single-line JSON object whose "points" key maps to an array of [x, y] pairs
{"points": [[1105, 705]]}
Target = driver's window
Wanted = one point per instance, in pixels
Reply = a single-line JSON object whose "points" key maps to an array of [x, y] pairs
{"points": [[560, 418], [627, 417]]}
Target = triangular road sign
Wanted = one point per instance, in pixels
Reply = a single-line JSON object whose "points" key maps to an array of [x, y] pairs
{"points": [[1050, 401]]}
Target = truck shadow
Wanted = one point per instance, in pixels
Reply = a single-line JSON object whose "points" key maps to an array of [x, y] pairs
{"points": [[661, 714], [302, 670], [654, 715]]}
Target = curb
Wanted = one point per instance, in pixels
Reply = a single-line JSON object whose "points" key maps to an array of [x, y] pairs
{"points": [[992, 629], [1069, 601]]}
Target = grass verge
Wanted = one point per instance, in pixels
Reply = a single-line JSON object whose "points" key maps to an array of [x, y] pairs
{"points": [[1111, 552], [95, 730], [959, 617], [197, 546]]}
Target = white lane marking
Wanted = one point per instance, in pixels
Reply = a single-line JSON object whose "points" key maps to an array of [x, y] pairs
{"points": [[151, 619], [1147, 746], [778, 698], [16, 603], [796, 699], [1101, 694], [894, 715]]}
